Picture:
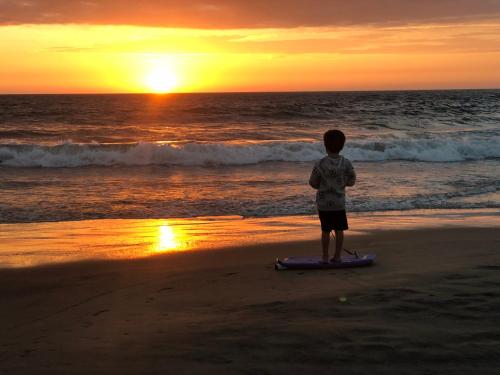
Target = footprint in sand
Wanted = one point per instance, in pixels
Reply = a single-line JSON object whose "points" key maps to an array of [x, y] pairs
{"points": [[489, 267], [27, 352], [97, 313], [459, 276], [164, 289]]}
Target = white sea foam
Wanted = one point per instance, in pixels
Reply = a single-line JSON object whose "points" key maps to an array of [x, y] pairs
{"points": [[437, 149], [198, 154]]}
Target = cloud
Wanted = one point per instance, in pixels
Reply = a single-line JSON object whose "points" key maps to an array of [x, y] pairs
{"points": [[419, 39], [227, 14]]}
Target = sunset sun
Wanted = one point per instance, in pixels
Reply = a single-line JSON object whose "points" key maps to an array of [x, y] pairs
{"points": [[161, 80]]}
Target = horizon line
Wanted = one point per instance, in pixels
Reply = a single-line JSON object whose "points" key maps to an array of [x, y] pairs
{"points": [[250, 92]]}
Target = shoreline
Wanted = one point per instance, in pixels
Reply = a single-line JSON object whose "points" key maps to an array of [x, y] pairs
{"points": [[430, 299], [41, 243]]}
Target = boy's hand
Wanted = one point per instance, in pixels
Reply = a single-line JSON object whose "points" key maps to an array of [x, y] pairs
{"points": [[315, 178]]}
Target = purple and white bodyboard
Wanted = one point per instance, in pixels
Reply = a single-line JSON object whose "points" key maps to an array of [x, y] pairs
{"points": [[315, 262]]}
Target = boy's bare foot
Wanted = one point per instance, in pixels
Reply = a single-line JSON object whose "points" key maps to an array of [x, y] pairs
{"points": [[336, 260], [324, 260]]}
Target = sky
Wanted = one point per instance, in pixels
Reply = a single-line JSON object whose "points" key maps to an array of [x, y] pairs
{"points": [[60, 46]]}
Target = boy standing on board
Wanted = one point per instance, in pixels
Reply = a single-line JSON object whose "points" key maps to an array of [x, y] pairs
{"points": [[330, 176]]}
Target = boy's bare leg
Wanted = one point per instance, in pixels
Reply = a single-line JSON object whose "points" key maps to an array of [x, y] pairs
{"points": [[325, 244], [339, 244]]}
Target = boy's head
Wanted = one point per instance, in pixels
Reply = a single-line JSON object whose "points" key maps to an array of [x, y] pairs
{"points": [[334, 141]]}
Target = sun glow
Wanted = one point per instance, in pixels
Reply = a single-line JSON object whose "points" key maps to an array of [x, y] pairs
{"points": [[161, 80], [67, 58]]}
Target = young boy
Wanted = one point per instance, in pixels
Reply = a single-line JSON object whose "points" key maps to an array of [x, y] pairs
{"points": [[330, 176]]}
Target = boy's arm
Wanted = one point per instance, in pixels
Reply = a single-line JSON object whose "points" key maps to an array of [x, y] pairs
{"points": [[350, 175], [315, 178]]}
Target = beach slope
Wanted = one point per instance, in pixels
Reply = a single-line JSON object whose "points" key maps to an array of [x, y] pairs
{"points": [[430, 304]]}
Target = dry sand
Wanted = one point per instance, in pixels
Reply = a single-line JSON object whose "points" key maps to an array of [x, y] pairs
{"points": [[430, 305]]}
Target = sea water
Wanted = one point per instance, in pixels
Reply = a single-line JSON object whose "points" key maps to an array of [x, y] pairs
{"points": [[74, 157]]}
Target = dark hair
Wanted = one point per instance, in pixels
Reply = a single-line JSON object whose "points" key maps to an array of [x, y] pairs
{"points": [[334, 140]]}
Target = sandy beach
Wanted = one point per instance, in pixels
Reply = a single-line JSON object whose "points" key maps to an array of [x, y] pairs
{"points": [[430, 304]]}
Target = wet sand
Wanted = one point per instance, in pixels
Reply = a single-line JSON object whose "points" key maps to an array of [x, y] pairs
{"points": [[430, 304]]}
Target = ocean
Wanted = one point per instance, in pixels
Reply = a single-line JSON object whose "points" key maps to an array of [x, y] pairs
{"points": [[75, 157]]}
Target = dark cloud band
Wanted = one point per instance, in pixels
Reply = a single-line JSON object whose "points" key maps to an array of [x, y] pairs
{"points": [[244, 13]]}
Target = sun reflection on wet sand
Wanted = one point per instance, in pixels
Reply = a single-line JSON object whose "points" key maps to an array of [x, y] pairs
{"points": [[166, 239], [152, 236], [33, 244]]}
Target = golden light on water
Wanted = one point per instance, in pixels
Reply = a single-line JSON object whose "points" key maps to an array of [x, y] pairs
{"points": [[69, 241]]}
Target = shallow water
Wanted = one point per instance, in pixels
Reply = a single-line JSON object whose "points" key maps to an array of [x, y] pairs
{"points": [[34, 244], [73, 157]]}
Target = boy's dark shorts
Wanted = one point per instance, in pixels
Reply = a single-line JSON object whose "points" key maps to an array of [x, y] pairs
{"points": [[333, 220]]}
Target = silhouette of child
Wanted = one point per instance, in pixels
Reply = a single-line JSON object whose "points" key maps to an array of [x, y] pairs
{"points": [[330, 176]]}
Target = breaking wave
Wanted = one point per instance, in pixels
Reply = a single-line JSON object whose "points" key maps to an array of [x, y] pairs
{"points": [[437, 149]]}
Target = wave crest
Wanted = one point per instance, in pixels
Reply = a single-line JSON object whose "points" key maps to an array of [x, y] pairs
{"points": [[199, 154]]}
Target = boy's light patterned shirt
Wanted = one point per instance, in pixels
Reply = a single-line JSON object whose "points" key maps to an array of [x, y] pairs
{"points": [[330, 176]]}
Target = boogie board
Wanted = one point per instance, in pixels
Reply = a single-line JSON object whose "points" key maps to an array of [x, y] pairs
{"points": [[316, 262]]}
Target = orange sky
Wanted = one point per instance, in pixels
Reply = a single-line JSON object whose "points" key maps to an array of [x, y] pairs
{"points": [[50, 47]]}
